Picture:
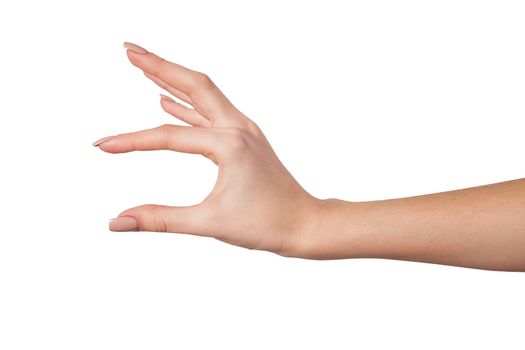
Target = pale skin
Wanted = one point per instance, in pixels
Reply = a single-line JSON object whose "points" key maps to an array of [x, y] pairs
{"points": [[257, 204]]}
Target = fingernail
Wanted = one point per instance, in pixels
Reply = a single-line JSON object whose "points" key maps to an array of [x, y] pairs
{"points": [[135, 48], [123, 223], [166, 97], [104, 139]]}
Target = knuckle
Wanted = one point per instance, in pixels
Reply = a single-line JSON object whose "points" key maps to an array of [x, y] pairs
{"points": [[203, 82], [158, 221], [254, 129], [235, 140], [165, 135], [150, 218], [161, 67], [166, 129], [160, 224]]}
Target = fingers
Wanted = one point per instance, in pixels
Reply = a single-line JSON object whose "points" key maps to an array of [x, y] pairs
{"points": [[162, 218], [186, 139], [187, 115], [204, 94], [177, 93]]}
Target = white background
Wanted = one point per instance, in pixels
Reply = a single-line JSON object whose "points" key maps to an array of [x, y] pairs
{"points": [[361, 100]]}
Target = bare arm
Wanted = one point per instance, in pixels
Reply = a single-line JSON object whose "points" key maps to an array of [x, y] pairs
{"points": [[257, 204], [481, 227]]}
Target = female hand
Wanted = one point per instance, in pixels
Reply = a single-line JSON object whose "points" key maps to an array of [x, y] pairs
{"points": [[255, 203]]}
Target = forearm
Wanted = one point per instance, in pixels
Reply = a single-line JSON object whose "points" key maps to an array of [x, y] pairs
{"points": [[481, 227]]}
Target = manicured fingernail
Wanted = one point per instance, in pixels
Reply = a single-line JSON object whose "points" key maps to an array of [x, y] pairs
{"points": [[123, 223], [166, 97], [135, 48], [104, 139]]}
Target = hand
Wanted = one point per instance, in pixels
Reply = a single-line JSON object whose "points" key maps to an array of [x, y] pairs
{"points": [[255, 203]]}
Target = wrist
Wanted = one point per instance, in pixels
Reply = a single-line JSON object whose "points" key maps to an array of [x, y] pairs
{"points": [[322, 234]]}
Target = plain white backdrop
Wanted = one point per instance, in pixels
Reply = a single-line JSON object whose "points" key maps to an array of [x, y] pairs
{"points": [[361, 100]]}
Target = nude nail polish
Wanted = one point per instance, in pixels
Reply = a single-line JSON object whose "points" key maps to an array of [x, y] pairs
{"points": [[102, 140], [166, 97], [123, 223], [135, 48]]}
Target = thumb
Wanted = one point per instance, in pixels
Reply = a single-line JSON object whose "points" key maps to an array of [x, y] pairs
{"points": [[160, 218]]}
